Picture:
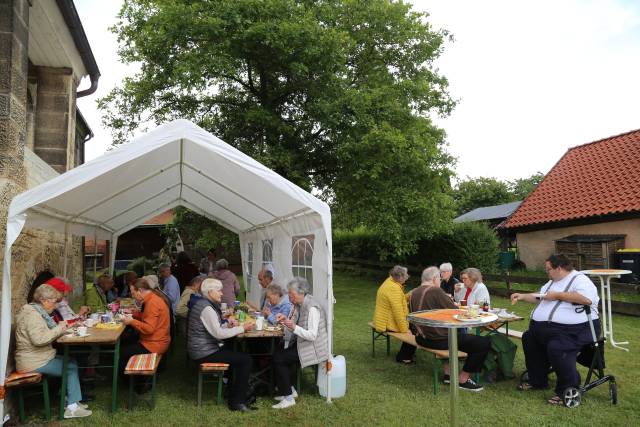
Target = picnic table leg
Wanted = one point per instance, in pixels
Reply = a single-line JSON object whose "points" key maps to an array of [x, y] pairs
{"points": [[453, 369], [63, 383], [114, 384], [271, 371]]}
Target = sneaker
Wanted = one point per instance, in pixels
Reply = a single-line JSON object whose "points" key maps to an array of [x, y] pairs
{"points": [[446, 379], [471, 386], [285, 403], [80, 412], [293, 392]]}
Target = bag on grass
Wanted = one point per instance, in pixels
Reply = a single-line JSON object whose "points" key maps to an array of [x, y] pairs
{"points": [[499, 362]]}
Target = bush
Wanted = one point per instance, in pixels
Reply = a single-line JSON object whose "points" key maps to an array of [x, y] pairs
{"points": [[359, 243], [469, 244], [141, 266]]}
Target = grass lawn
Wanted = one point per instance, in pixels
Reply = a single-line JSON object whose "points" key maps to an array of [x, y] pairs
{"points": [[382, 392]]}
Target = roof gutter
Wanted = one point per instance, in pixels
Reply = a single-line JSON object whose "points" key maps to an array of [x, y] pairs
{"points": [[71, 18]]}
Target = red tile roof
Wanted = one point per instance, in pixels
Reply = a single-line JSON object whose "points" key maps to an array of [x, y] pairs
{"points": [[591, 180], [162, 219]]}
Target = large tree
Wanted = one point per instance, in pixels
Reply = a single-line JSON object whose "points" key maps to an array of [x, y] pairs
{"points": [[472, 193], [521, 188], [335, 95]]}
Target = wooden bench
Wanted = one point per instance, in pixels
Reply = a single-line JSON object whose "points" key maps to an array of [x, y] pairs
{"points": [[409, 338], [510, 333], [216, 370], [23, 380], [146, 371]]}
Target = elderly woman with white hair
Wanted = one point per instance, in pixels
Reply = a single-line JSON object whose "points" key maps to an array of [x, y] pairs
{"points": [[205, 342], [448, 282], [305, 339], [35, 333]]}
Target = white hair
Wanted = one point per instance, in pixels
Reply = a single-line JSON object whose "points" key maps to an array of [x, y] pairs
{"points": [[210, 285], [152, 280], [446, 266], [429, 273]]}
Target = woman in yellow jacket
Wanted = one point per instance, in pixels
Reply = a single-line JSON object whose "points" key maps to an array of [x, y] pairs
{"points": [[391, 310]]}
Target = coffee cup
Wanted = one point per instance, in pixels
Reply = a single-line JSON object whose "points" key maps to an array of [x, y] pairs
{"points": [[223, 306], [82, 330], [463, 303]]}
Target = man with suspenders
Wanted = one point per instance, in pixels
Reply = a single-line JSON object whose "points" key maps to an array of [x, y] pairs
{"points": [[559, 327]]}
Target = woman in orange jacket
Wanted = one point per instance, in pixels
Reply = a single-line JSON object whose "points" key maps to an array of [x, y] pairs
{"points": [[153, 323]]}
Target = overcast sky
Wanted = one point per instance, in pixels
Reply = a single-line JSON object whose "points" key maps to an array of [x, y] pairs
{"points": [[533, 78]]}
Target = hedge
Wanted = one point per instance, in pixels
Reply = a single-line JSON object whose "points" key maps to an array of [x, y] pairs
{"points": [[468, 244]]}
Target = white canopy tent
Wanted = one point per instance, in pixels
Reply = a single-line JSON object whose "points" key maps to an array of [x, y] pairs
{"points": [[280, 225]]}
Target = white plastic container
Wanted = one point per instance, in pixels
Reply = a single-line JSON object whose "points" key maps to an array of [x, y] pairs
{"points": [[338, 377]]}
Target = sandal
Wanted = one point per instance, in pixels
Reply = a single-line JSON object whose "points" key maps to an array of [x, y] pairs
{"points": [[556, 401]]}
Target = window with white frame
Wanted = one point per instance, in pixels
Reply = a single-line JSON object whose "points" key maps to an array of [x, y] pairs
{"points": [[302, 258], [249, 262], [267, 255]]}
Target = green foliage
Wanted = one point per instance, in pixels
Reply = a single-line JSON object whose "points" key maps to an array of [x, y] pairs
{"points": [[334, 95], [473, 193], [469, 244], [142, 265], [521, 188], [203, 232], [359, 243]]}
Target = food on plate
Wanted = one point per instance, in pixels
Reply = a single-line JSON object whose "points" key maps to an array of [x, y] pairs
{"points": [[108, 325]]}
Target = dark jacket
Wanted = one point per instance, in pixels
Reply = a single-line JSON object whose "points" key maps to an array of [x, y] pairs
{"points": [[449, 286], [200, 343]]}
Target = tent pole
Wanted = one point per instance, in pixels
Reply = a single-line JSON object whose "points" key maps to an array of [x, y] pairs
{"points": [[95, 252], [66, 249], [112, 253]]}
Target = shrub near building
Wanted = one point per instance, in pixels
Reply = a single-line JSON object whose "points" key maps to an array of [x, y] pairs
{"points": [[466, 245]]}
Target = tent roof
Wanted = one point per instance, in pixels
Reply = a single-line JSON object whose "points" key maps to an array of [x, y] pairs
{"points": [[178, 163]]}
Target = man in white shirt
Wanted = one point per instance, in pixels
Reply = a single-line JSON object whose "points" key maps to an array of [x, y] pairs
{"points": [[559, 326], [305, 339]]}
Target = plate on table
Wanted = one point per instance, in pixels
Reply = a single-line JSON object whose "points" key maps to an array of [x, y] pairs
{"points": [[481, 317]]}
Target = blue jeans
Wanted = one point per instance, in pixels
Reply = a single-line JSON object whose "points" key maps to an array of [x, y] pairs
{"points": [[54, 368]]}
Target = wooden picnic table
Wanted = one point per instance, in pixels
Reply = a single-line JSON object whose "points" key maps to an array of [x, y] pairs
{"points": [[94, 337], [273, 337]]}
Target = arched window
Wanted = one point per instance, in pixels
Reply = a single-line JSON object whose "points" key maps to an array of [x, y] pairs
{"points": [[267, 254], [302, 258], [249, 261]]}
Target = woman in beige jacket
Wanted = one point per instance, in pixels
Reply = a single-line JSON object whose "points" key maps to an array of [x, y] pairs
{"points": [[35, 332]]}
